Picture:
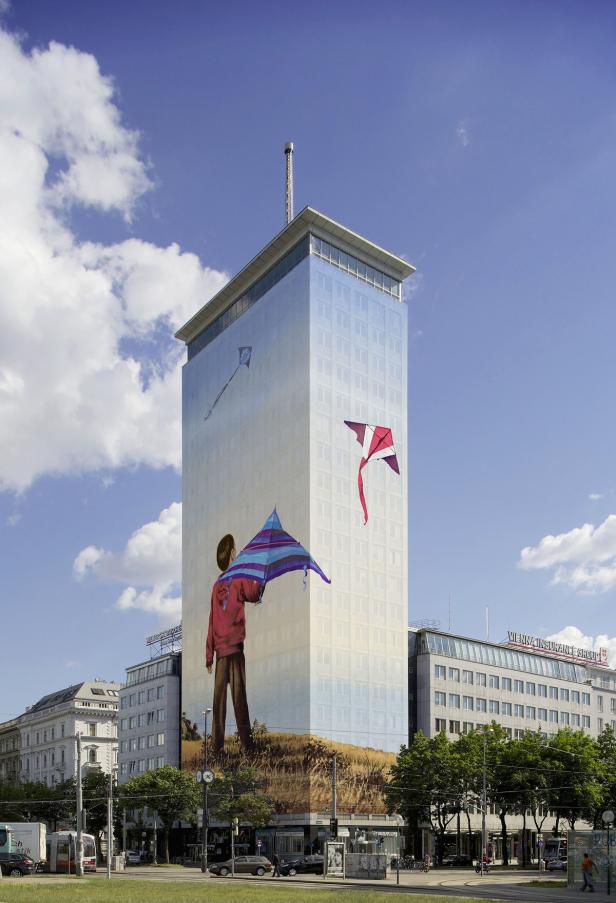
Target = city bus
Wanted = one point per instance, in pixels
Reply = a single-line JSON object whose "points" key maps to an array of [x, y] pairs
{"points": [[62, 852]]}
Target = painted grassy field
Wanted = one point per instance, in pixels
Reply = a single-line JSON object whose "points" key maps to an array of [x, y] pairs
{"points": [[296, 770]]}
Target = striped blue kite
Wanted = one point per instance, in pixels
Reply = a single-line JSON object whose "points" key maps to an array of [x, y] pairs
{"points": [[271, 553]]}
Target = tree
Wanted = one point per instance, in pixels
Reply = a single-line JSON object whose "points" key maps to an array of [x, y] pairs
{"points": [[606, 754], [173, 794], [425, 785], [574, 771], [236, 795]]}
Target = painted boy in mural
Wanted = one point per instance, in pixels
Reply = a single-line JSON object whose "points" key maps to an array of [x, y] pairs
{"points": [[225, 637]]}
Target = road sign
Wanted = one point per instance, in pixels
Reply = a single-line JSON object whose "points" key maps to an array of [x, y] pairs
{"points": [[199, 777], [541, 841], [208, 776], [259, 844]]}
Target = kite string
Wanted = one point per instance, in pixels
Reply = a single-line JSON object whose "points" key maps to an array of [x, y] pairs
{"points": [[218, 397]]}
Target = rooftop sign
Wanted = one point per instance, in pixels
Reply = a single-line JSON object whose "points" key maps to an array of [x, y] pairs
{"points": [[563, 650]]}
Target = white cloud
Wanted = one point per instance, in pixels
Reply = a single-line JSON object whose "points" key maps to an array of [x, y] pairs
{"points": [[150, 565], [583, 559], [89, 371], [595, 496], [462, 134], [573, 636]]}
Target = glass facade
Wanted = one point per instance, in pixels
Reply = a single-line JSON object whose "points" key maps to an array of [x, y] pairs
{"points": [[357, 268], [503, 657]]}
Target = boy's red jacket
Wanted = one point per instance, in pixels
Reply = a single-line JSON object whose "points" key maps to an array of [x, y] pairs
{"points": [[227, 630]]}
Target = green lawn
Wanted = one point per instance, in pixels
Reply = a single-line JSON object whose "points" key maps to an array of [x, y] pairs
{"points": [[90, 890]]}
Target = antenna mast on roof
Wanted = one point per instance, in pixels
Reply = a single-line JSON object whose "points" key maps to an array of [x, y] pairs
{"points": [[288, 197]]}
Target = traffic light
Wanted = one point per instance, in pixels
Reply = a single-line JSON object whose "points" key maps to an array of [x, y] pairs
{"points": [[236, 826], [333, 827]]}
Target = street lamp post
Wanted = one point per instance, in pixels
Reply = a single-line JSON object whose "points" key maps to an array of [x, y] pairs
{"points": [[608, 819], [484, 806], [79, 843], [206, 783], [110, 822]]}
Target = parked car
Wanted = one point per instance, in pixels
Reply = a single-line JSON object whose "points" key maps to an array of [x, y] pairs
{"points": [[132, 857], [244, 865], [16, 864], [305, 865], [557, 865], [455, 860]]}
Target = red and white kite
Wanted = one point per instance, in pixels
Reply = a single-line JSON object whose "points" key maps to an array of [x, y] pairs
{"points": [[377, 443]]}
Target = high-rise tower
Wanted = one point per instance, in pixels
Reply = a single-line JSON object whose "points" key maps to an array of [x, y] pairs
{"points": [[321, 307]]}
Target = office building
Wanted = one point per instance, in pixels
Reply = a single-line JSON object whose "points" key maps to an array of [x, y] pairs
{"points": [[149, 729], [322, 310]]}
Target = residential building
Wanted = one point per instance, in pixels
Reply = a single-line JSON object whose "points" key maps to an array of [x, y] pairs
{"points": [[9, 751], [48, 730], [149, 726]]}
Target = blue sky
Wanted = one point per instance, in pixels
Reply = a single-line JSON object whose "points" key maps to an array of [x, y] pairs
{"points": [[146, 166]]}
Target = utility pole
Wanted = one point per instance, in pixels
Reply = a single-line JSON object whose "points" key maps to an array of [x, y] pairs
{"points": [[484, 806], [288, 199], [155, 856], [124, 830], [79, 844], [206, 781], [110, 823]]}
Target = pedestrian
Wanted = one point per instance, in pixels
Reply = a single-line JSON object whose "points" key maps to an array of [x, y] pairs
{"points": [[587, 866], [225, 637], [275, 863]]}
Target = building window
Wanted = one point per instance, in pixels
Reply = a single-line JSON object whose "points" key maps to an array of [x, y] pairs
{"points": [[493, 707], [92, 756], [160, 762], [575, 720], [575, 697], [132, 722], [440, 672], [564, 694], [454, 727], [160, 715], [564, 718], [480, 679], [506, 708], [151, 692], [123, 746], [506, 684], [553, 692], [543, 690], [494, 682], [531, 688], [553, 716], [468, 703], [531, 712], [141, 743], [440, 725], [160, 739], [542, 714], [133, 699], [586, 722], [467, 727], [600, 703], [440, 698], [142, 765], [585, 698], [518, 733], [482, 705], [151, 717], [518, 686], [91, 729], [467, 677], [160, 691], [141, 697], [141, 720], [518, 711], [454, 700]]}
